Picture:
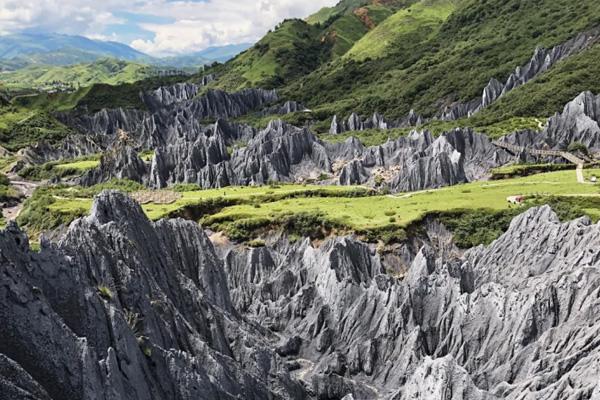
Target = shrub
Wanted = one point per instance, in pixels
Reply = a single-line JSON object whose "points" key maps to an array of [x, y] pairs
{"points": [[256, 243], [577, 147], [105, 292], [4, 181]]}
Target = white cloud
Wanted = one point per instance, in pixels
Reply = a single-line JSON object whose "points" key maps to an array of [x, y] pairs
{"points": [[196, 25], [219, 22], [65, 16]]}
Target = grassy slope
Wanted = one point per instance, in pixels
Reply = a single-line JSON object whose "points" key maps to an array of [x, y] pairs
{"points": [[418, 22], [549, 92], [478, 41], [296, 48], [103, 71], [375, 212], [283, 54]]}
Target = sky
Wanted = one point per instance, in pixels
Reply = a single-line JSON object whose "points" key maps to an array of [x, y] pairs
{"points": [[156, 27]]}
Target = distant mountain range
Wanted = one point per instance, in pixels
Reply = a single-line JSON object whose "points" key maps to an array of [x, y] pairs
{"points": [[26, 49]]}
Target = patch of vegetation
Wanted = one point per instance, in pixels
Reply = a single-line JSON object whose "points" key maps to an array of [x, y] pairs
{"points": [[6, 162], [105, 292], [256, 243], [416, 24], [7, 193], [52, 206], [370, 216], [60, 169], [517, 170], [295, 48], [125, 95], [488, 39], [368, 137], [35, 126]]}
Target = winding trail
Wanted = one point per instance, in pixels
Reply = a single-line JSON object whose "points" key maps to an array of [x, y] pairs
{"points": [[25, 188]]}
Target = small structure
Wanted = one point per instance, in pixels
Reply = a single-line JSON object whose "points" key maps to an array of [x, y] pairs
{"points": [[516, 200]]}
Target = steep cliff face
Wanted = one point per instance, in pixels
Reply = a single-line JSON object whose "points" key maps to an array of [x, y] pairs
{"points": [[126, 309]]}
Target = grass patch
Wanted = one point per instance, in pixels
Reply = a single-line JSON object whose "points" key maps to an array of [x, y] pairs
{"points": [[371, 216], [60, 169]]}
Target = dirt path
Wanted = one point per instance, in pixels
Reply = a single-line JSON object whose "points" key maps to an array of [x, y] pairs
{"points": [[580, 177], [25, 188]]}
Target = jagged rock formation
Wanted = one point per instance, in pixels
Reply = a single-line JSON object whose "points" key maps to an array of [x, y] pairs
{"points": [[286, 108], [282, 152], [421, 161], [541, 62], [127, 309], [72, 147], [506, 321], [168, 95], [175, 111], [120, 162], [197, 158], [123, 308], [578, 123], [377, 121]]}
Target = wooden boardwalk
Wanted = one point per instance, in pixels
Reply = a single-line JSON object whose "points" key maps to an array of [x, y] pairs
{"points": [[546, 153]]}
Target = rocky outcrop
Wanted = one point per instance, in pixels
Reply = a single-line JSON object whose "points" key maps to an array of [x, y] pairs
{"points": [[123, 308], [166, 96], [579, 122], [72, 147], [173, 110], [377, 121], [541, 61], [119, 162], [420, 161], [281, 152], [286, 108], [201, 159]]}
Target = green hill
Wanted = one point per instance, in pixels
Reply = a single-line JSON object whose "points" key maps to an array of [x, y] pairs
{"points": [[421, 55], [46, 77], [296, 47]]}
